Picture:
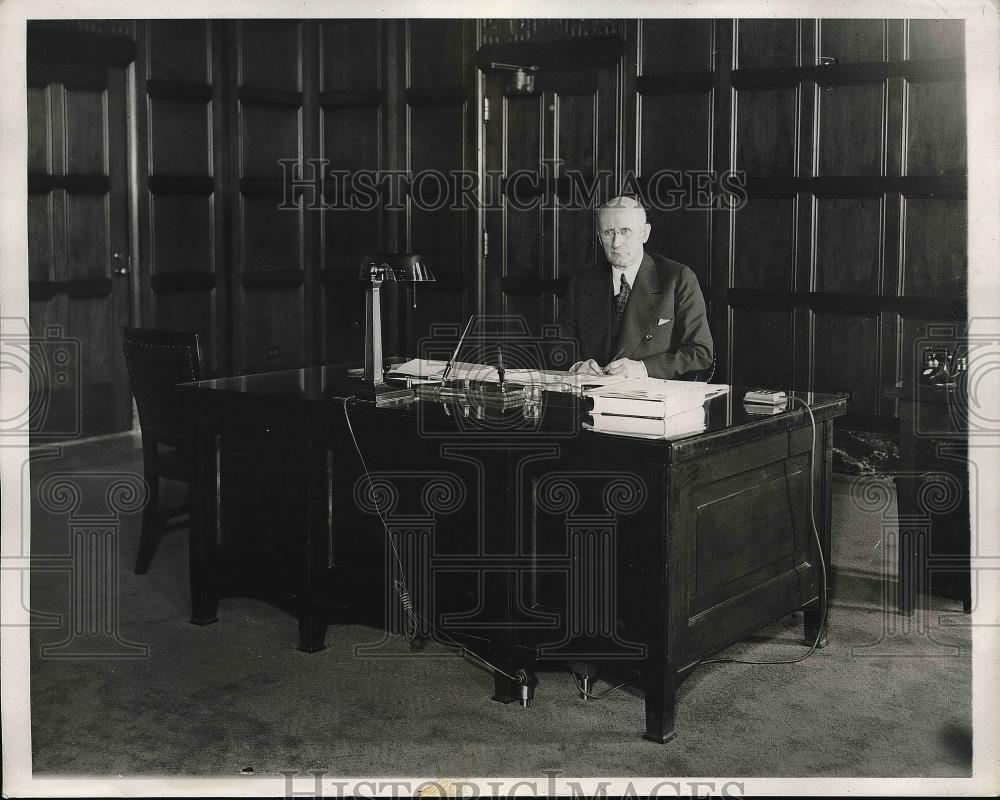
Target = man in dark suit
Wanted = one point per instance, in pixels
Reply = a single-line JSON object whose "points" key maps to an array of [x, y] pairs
{"points": [[640, 314]]}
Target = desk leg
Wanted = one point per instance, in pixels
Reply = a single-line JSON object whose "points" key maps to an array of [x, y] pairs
{"points": [[312, 630], [203, 528], [811, 626], [908, 579], [660, 700]]}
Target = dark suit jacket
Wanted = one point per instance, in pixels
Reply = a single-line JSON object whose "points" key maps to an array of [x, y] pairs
{"points": [[663, 290]]}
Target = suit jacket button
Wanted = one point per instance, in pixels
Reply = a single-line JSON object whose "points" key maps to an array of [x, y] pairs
{"points": [[648, 337]]}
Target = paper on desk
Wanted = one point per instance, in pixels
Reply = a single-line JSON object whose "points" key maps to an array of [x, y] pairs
{"points": [[659, 389], [433, 369], [430, 368]]}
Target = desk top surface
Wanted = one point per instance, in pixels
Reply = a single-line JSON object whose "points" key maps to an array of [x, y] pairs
{"points": [[321, 390]]}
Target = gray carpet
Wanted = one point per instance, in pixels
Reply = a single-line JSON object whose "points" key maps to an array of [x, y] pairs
{"points": [[236, 695]]}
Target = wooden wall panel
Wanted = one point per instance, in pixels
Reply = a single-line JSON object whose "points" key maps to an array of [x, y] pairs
{"points": [[438, 52], [934, 250], [39, 134], [268, 135], [271, 311], [845, 358], [86, 127], [438, 98], [847, 245], [765, 131], [179, 137], [767, 43], [349, 143], [181, 234], [88, 242], [353, 126], [192, 311], [183, 149], [277, 331], [41, 258], [764, 244], [179, 51], [936, 139], [675, 45], [270, 54], [850, 130], [353, 54], [847, 41], [675, 131], [935, 38], [762, 347], [869, 147], [271, 238]]}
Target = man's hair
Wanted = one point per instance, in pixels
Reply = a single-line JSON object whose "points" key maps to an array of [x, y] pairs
{"points": [[622, 201]]}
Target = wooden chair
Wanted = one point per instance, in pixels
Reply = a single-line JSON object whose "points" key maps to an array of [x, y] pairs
{"points": [[157, 361]]}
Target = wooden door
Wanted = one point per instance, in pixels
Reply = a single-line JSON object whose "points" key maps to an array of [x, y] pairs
{"points": [[78, 242], [555, 151]]}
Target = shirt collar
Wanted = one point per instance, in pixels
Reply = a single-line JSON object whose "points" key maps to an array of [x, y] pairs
{"points": [[629, 272]]}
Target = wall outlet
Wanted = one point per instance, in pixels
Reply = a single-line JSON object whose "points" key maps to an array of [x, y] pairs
{"points": [[273, 353]]}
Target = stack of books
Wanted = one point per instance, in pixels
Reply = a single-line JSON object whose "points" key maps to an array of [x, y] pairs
{"points": [[648, 407]]}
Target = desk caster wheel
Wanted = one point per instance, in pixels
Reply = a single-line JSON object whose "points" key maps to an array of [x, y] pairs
{"points": [[528, 681]]}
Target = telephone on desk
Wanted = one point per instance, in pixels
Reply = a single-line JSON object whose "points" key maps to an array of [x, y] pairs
{"points": [[940, 367]]}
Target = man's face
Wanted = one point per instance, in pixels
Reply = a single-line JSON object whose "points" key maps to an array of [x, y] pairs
{"points": [[623, 232]]}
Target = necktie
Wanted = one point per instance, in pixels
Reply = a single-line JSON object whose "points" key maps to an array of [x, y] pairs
{"points": [[621, 302]]}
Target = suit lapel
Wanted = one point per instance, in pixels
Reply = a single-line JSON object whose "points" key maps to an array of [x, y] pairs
{"points": [[642, 302], [596, 310]]}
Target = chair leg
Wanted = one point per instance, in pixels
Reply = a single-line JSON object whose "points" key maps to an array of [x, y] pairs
{"points": [[150, 534]]}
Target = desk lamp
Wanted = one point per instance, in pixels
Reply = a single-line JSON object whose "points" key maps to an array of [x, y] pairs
{"points": [[378, 268]]}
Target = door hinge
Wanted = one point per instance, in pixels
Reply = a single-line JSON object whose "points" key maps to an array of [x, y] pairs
{"points": [[486, 243], [486, 110]]}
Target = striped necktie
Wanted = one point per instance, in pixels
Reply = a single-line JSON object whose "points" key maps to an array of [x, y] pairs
{"points": [[621, 302]]}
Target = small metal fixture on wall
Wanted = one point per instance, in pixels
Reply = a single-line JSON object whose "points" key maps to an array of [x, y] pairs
{"points": [[522, 78]]}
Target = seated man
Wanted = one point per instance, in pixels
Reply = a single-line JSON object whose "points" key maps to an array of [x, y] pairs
{"points": [[644, 315]]}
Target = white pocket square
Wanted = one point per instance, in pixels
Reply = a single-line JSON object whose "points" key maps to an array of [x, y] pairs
{"points": [[663, 322]]}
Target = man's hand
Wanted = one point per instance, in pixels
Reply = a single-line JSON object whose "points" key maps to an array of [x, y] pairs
{"points": [[588, 367], [627, 367]]}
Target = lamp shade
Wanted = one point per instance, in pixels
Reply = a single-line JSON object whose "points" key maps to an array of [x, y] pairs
{"points": [[409, 267]]}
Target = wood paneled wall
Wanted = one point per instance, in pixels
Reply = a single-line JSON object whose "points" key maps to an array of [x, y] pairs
{"points": [[852, 137], [851, 134], [230, 115]]}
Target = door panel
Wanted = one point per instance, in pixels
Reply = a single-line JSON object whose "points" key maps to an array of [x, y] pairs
{"points": [[78, 243], [556, 149]]}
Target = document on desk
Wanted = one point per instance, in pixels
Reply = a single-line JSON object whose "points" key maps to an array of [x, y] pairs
{"points": [[431, 370]]}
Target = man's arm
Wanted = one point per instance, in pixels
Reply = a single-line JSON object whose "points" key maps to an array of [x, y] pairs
{"points": [[693, 337]]}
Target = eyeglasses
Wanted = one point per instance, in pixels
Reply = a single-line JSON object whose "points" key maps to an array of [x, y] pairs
{"points": [[609, 233]]}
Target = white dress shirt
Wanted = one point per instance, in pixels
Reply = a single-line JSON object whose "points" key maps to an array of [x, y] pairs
{"points": [[616, 281], [616, 277]]}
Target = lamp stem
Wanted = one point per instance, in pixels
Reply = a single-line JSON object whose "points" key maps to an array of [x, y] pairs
{"points": [[374, 366]]}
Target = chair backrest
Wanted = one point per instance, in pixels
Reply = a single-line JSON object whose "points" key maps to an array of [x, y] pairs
{"points": [[157, 361]]}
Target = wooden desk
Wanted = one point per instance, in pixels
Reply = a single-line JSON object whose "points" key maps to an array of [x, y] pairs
{"points": [[529, 540]]}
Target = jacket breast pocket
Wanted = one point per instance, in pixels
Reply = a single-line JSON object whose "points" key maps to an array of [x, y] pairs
{"points": [[658, 334]]}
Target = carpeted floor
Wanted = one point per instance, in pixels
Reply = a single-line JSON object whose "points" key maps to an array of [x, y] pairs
{"points": [[888, 697]]}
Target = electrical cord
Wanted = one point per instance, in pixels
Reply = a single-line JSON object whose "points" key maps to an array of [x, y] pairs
{"points": [[592, 696], [410, 615], [822, 562]]}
